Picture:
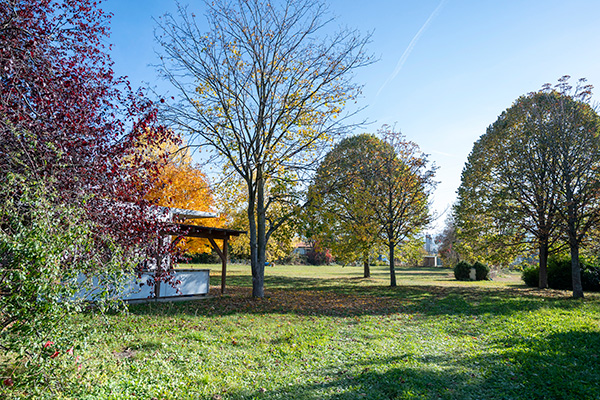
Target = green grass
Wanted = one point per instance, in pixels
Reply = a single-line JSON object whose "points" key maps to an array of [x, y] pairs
{"points": [[326, 333]]}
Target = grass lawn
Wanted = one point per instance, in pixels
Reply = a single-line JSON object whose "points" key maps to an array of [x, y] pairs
{"points": [[327, 333]]}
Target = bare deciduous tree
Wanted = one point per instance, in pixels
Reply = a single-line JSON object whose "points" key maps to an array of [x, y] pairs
{"points": [[264, 88]]}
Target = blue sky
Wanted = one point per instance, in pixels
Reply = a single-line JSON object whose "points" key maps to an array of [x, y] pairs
{"points": [[446, 69]]}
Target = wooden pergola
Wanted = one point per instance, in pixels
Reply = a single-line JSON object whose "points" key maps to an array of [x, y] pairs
{"points": [[212, 234]]}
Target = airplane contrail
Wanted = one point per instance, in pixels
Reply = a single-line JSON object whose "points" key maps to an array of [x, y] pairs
{"points": [[411, 45], [443, 154]]}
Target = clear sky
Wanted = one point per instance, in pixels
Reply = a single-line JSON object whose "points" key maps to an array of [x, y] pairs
{"points": [[446, 69]]}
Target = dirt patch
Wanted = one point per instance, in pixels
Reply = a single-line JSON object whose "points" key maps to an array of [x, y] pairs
{"points": [[126, 354]]}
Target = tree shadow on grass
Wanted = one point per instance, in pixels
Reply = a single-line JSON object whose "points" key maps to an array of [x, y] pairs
{"points": [[346, 297], [557, 366]]}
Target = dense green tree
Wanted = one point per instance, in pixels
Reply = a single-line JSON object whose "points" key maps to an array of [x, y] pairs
{"points": [[337, 214], [533, 178], [400, 181], [508, 195], [574, 127], [485, 228]]}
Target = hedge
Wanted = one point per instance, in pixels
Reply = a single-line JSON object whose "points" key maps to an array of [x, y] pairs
{"points": [[559, 275]]}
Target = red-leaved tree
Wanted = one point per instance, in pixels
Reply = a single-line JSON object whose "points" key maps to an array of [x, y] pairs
{"points": [[65, 117], [74, 169]]}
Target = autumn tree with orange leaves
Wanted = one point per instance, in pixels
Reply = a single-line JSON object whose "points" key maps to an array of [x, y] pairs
{"points": [[182, 184]]}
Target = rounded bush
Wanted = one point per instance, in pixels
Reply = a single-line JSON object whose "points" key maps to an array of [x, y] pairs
{"points": [[531, 276], [462, 271], [559, 275], [590, 277], [482, 271], [319, 257]]}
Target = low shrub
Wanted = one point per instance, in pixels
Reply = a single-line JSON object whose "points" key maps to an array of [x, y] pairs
{"points": [[530, 275], [46, 248], [559, 275], [202, 258], [462, 271], [319, 257], [590, 277], [482, 271]]}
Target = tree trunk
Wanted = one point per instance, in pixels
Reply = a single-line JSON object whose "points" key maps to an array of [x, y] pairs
{"points": [[392, 265], [574, 245], [366, 268], [252, 234], [543, 258], [258, 279], [575, 269]]}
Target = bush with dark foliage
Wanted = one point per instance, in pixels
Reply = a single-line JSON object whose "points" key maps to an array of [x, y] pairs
{"points": [[482, 271], [462, 271], [559, 275], [530, 275]]}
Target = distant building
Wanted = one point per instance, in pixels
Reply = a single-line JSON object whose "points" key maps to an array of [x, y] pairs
{"points": [[303, 248], [431, 259], [429, 246]]}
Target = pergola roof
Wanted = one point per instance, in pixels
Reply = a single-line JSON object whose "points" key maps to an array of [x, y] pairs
{"points": [[190, 214], [206, 232], [197, 231]]}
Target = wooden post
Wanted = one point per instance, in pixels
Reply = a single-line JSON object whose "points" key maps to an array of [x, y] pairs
{"points": [[224, 266], [223, 255]]}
